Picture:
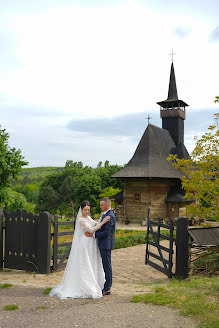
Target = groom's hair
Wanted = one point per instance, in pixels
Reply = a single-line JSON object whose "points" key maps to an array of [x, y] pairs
{"points": [[107, 200]]}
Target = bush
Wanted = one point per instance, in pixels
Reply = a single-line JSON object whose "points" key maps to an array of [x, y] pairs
{"points": [[130, 240]]}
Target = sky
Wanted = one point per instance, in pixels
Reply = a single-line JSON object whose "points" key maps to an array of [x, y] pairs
{"points": [[79, 78]]}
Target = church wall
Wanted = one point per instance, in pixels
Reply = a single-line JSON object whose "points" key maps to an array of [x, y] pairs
{"points": [[172, 210], [152, 194]]}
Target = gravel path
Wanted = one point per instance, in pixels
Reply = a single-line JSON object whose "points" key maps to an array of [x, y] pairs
{"points": [[130, 276]]}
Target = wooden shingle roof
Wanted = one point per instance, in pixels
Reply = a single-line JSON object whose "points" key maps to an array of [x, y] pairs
{"points": [[149, 159]]}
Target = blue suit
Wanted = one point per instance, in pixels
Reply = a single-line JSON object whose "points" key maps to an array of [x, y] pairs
{"points": [[106, 242]]}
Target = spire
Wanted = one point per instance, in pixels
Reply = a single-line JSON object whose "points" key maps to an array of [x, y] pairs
{"points": [[172, 111], [172, 101], [172, 93]]}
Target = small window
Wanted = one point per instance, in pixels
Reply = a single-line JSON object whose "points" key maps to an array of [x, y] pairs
{"points": [[137, 196]]}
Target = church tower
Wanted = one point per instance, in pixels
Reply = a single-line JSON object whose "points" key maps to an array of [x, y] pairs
{"points": [[150, 180], [173, 112]]}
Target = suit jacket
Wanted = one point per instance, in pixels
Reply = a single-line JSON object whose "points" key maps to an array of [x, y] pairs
{"points": [[106, 234]]}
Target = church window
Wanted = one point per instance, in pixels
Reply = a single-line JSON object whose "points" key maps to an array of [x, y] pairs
{"points": [[137, 196]]}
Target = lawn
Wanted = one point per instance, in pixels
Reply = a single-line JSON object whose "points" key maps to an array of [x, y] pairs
{"points": [[197, 297]]}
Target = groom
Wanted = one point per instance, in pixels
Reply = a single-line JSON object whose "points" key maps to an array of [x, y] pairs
{"points": [[106, 241]]}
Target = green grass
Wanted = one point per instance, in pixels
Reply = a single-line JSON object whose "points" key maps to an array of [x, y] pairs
{"points": [[5, 285], [196, 296], [41, 307], [10, 307], [47, 290]]}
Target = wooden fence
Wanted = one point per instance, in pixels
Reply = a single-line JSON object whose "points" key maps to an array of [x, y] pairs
{"points": [[59, 259], [166, 265]]}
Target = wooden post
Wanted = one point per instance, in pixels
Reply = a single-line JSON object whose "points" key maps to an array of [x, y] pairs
{"points": [[147, 237], [182, 248], [171, 248], [55, 243], [158, 230], [1, 239], [44, 236]]}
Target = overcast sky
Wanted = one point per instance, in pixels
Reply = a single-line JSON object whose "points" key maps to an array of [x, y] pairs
{"points": [[78, 78]]}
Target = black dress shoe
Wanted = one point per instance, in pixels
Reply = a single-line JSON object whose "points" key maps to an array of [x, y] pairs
{"points": [[106, 292]]}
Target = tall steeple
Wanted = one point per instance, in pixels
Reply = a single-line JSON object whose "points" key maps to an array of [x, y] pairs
{"points": [[172, 93], [173, 111]]}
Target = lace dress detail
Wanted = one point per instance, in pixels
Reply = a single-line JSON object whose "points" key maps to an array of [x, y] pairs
{"points": [[84, 276], [89, 225]]}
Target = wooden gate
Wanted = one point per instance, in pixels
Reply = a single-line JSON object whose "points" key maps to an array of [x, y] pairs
{"points": [[153, 238], [59, 259], [25, 241]]}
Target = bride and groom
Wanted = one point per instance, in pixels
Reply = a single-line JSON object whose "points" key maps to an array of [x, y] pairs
{"points": [[88, 273]]}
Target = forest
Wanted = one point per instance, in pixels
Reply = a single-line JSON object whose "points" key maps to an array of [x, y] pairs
{"points": [[61, 189]]}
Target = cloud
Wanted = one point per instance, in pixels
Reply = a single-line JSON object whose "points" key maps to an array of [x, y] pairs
{"points": [[78, 87], [214, 36], [124, 125], [181, 32], [133, 125]]}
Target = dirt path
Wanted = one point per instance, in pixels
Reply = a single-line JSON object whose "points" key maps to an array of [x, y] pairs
{"points": [[130, 276]]}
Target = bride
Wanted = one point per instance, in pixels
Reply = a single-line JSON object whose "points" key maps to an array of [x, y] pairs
{"points": [[84, 276]]}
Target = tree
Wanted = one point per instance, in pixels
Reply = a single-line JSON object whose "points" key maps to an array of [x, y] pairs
{"points": [[18, 200], [201, 173], [11, 162], [49, 199], [89, 188], [67, 193]]}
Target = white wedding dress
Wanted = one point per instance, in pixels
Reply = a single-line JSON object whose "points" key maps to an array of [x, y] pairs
{"points": [[84, 276]]}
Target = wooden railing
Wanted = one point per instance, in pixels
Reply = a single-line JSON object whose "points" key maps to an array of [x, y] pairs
{"points": [[58, 259]]}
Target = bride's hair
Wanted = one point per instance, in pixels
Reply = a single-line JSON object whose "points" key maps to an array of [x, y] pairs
{"points": [[85, 203]]}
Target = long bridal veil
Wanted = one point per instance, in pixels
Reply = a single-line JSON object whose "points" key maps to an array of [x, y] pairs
{"points": [[70, 284]]}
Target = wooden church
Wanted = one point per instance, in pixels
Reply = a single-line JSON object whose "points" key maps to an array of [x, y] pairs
{"points": [[149, 179]]}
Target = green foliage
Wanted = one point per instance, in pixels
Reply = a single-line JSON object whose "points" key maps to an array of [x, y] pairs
{"points": [[5, 285], [61, 189], [29, 190], [10, 307], [18, 200], [130, 240], [11, 162], [35, 174], [47, 290], [64, 190], [201, 174], [196, 296]]}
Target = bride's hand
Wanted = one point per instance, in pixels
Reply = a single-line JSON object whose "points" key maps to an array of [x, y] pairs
{"points": [[106, 219]]}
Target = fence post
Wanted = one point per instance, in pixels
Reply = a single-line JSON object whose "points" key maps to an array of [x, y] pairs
{"points": [[182, 248], [171, 249], [55, 243], [158, 229], [44, 237], [1, 239], [147, 236]]}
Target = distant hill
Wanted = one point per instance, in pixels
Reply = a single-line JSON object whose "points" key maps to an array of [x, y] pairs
{"points": [[31, 174]]}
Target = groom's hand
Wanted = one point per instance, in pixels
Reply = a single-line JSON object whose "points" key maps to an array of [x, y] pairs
{"points": [[88, 234]]}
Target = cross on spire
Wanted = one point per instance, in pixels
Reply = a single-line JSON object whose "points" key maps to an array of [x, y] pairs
{"points": [[172, 54], [148, 118]]}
